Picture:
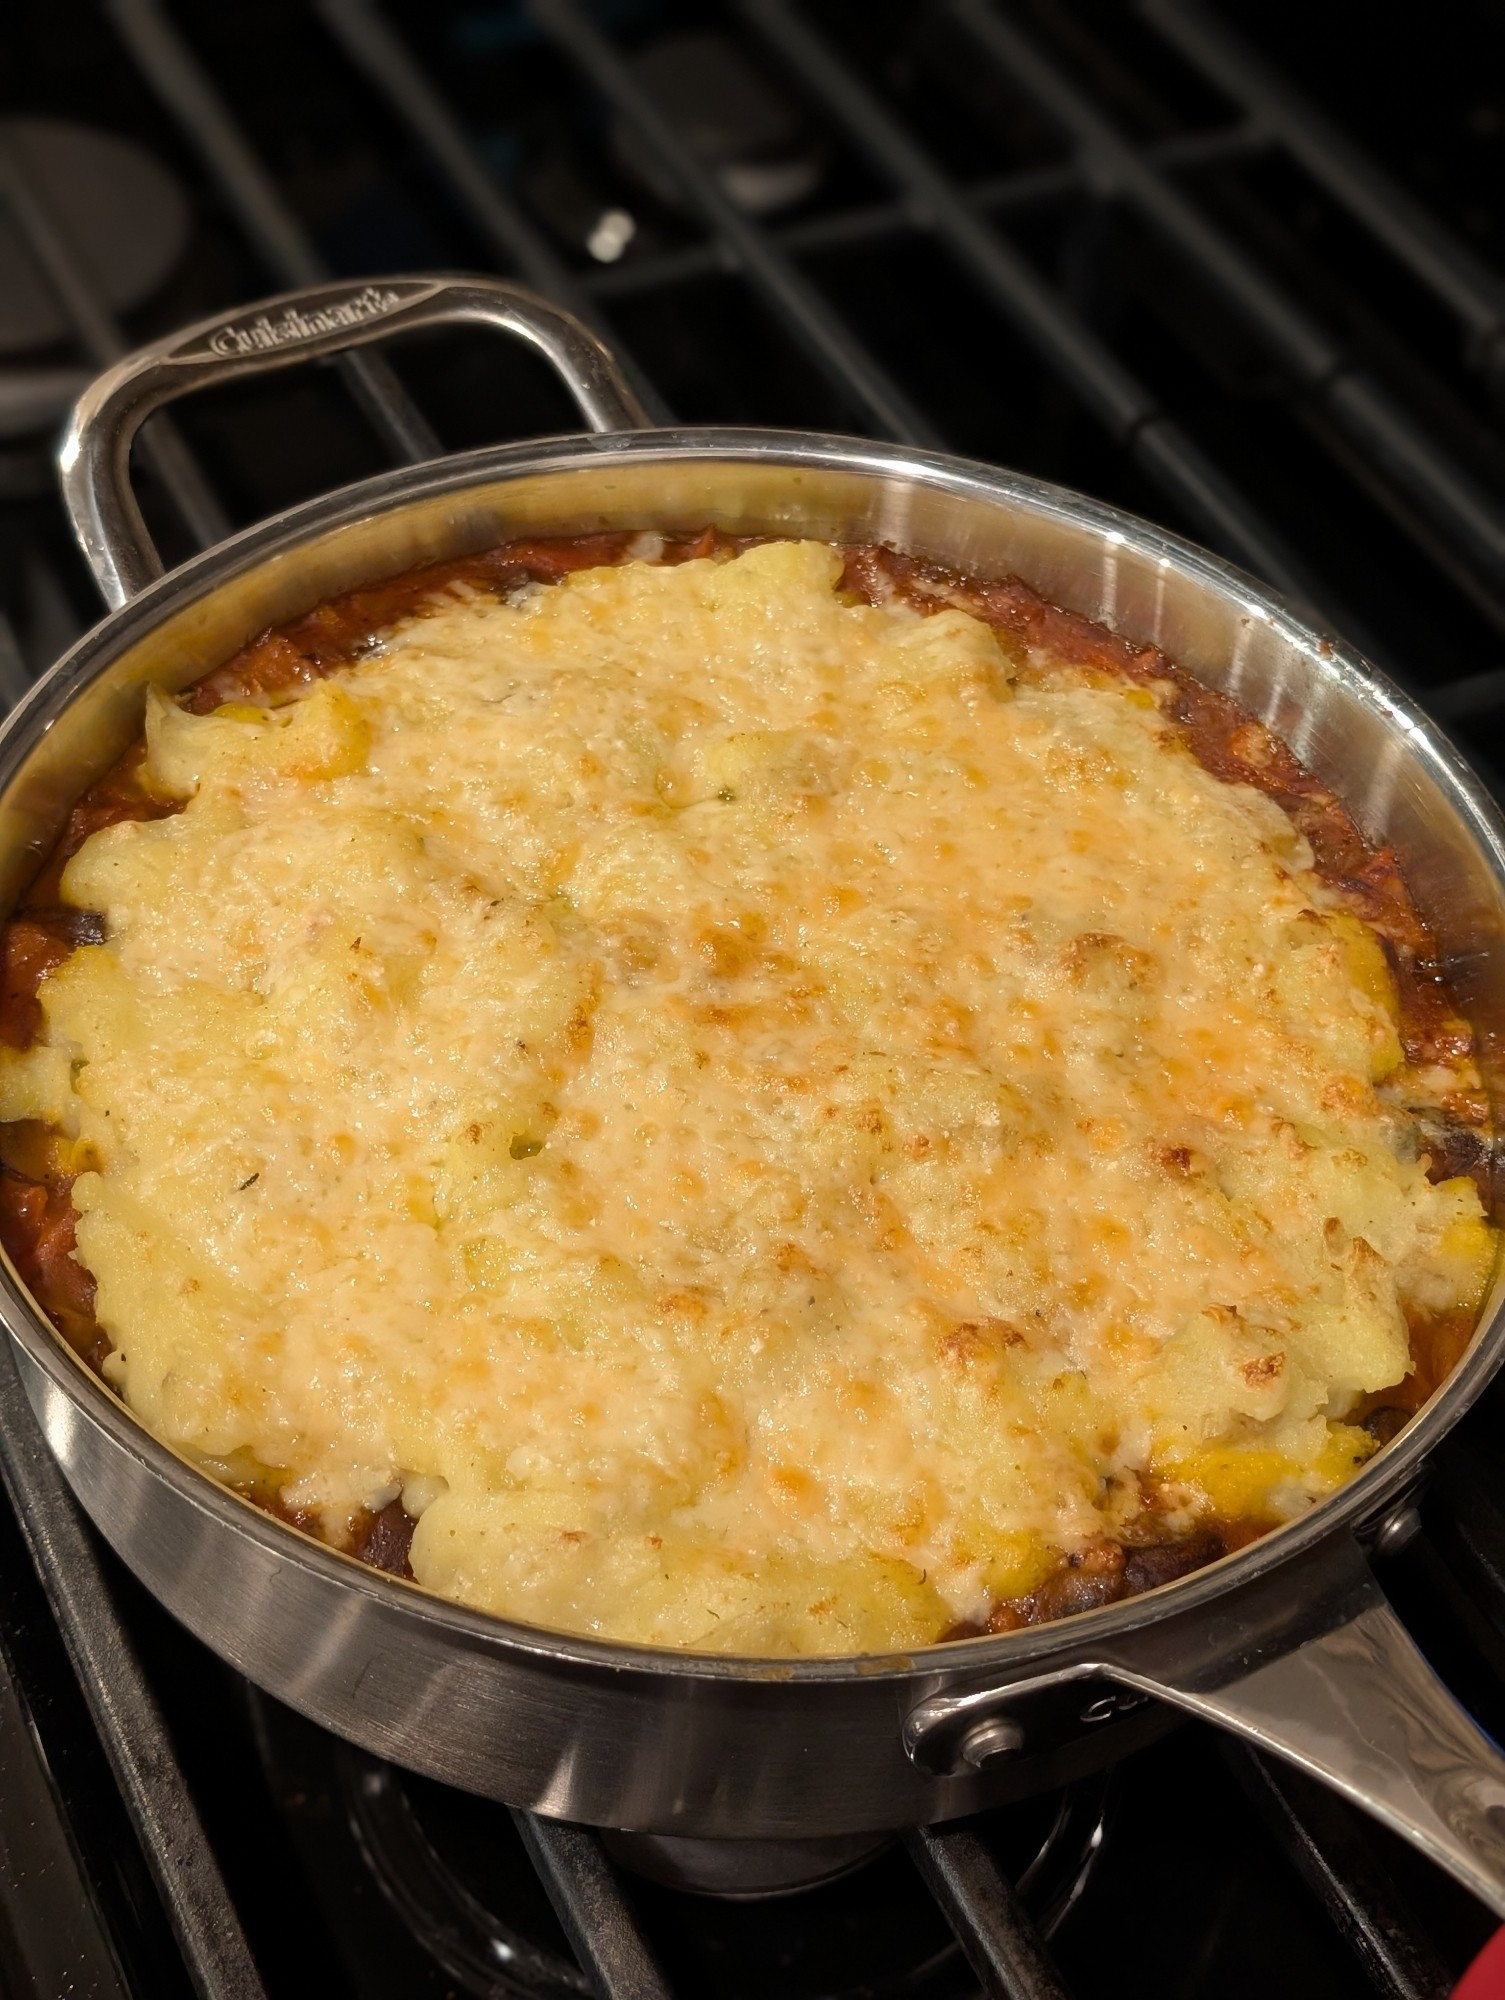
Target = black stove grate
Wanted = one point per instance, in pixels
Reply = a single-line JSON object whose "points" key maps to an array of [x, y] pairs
{"points": [[1172, 254], [1199, 297]]}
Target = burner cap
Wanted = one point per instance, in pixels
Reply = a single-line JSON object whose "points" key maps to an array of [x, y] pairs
{"points": [[126, 217], [741, 1870], [730, 119]]}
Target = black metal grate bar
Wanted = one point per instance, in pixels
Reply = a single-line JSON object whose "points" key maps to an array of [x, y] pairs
{"points": [[125, 1711], [1463, 1548], [1431, 540], [1432, 253], [55, 619], [1333, 1851], [57, 1940], [984, 1909], [31, 399], [210, 126], [378, 52], [872, 222], [101, 339], [1116, 399], [588, 1900], [840, 354], [1388, 437], [1475, 694], [14, 678]]}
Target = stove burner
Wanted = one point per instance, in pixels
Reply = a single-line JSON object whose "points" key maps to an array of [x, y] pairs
{"points": [[754, 142], [866, 1932], [486, 1955], [742, 1871], [125, 218]]}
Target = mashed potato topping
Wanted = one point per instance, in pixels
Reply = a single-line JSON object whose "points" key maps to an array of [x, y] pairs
{"points": [[765, 1127]]}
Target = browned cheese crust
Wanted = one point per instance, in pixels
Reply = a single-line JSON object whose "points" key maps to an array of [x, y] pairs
{"points": [[36, 1213]]}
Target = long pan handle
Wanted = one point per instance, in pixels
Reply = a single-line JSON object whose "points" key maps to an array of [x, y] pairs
{"points": [[1309, 1662], [306, 325], [1360, 1708]]}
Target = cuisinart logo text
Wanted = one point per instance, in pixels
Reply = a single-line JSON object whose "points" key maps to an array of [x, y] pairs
{"points": [[264, 333]]}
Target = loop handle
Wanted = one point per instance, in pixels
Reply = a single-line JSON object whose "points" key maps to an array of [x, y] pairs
{"points": [[306, 325]]}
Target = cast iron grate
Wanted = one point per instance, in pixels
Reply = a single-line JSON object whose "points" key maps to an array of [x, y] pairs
{"points": [[1124, 248]]}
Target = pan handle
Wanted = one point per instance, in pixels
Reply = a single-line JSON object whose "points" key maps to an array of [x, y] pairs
{"points": [[1360, 1708], [305, 325], [1312, 1664]]}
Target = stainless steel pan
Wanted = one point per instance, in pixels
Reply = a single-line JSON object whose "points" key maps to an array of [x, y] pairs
{"points": [[1290, 1642]]}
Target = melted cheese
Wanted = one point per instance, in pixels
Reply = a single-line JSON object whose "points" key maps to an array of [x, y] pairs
{"points": [[763, 1127]]}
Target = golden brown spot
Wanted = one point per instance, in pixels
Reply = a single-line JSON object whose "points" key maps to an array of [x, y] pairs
{"points": [[860, 1399], [792, 1482], [1264, 1368], [728, 953], [791, 1082], [683, 1304], [636, 952], [1347, 1096], [1096, 951], [577, 1032], [973, 1340]]}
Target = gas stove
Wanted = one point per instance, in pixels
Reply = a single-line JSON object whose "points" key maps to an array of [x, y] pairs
{"points": [[1205, 259]]}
